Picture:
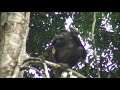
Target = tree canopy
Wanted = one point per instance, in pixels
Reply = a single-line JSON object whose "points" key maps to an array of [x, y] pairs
{"points": [[43, 26]]}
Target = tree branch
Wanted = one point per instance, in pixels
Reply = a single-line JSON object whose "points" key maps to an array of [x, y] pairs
{"points": [[26, 62], [94, 49], [46, 70]]}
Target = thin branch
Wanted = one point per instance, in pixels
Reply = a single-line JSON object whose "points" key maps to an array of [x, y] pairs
{"points": [[46, 70], [76, 73], [94, 49], [93, 25]]}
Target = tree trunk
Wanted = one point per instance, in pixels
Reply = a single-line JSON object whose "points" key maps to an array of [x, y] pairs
{"points": [[13, 34]]}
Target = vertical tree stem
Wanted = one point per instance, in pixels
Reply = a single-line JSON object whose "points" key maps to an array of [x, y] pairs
{"points": [[94, 49]]}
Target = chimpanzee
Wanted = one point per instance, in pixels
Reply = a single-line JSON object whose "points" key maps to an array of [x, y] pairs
{"points": [[68, 48], [65, 48]]}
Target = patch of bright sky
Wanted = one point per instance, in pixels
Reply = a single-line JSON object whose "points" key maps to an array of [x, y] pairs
{"points": [[68, 22], [106, 24], [34, 72]]}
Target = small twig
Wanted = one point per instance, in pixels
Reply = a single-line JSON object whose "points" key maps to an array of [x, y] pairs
{"points": [[53, 64]]}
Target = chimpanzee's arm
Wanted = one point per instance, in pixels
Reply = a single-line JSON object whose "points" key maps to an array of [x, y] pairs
{"points": [[74, 35]]}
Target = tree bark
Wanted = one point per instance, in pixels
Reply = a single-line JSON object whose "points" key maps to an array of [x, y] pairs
{"points": [[13, 34]]}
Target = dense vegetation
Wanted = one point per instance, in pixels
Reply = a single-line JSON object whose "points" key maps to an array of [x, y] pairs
{"points": [[43, 26]]}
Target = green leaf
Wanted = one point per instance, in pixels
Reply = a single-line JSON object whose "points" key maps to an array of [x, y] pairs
{"points": [[45, 54], [64, 75], [53, 51]]}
